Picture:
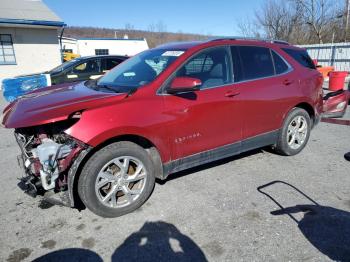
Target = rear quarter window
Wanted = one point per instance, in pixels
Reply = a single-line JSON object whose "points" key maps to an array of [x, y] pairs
{"points": [[280, 66], [301, 56]]}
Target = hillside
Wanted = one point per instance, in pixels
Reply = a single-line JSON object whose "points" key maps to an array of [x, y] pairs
{"points": [[154, 37]]}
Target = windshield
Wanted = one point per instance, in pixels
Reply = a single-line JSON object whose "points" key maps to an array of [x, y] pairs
{"points": [[140, 69], [63, 66]]}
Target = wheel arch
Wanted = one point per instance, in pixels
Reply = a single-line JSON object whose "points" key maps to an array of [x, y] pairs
{"points": [[76, 168], [309, 109]]}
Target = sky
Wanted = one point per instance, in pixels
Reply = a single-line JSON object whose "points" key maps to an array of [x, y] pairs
{"points": [[192, 16]]}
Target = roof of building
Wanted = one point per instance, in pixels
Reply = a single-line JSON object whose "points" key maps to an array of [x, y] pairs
{"points": [[30, 12]]}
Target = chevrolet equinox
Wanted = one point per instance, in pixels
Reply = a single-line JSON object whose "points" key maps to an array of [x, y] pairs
{"points": [[103, 142]]}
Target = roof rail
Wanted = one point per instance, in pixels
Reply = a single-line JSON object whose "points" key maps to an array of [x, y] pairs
{"points": [[250, 39]]}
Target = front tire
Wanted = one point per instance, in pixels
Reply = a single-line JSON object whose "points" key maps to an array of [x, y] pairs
{"points": [[295, 132], [117, 179]]}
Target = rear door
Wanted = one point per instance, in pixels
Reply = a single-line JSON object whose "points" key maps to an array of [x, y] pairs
{"points": [[109, 63], [209, 118], [265, 82]]}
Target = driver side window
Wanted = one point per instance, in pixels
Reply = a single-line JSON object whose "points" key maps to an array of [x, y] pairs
{"points": [[212, 67], [91, 66]]}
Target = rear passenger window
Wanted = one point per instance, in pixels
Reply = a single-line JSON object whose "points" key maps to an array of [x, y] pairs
{"points": [[301, 56], [256, 62], [280, 66]]}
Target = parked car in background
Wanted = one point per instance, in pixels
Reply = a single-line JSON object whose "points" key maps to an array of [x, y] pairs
{"points": [[167, 109], [78, 69]]}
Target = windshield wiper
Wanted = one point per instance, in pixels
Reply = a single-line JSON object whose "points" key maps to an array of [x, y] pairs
{"points": [[131, 91], [108, 88], [93, 84]]}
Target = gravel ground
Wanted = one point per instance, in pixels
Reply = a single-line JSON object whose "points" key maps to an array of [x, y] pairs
{"points": [[212, 213]]}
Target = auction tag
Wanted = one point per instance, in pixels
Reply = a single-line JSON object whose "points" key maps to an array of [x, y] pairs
{"points": [[129, 74], [173, 53]]}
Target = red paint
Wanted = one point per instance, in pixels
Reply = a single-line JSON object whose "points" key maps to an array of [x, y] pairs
{"points": [[67, 161], [183, 82], [330, 106], [177, 127]]}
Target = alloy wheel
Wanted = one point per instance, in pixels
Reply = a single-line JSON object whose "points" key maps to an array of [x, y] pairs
{"points": [[120, 182], [297, 132]]}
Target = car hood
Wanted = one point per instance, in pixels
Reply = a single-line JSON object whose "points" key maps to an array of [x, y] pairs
{"points": [[54, 103]]}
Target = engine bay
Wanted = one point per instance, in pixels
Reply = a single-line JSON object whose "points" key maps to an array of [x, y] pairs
{"points": [[47, 154]]}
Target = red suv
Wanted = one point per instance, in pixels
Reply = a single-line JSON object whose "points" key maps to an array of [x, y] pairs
{"points": [[105, 141]]}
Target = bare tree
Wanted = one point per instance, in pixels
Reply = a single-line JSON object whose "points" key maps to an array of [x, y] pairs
{"points": [[298, 21], [129, 27], [248, 28], [278, 19], [161, 27], [318, 15]]}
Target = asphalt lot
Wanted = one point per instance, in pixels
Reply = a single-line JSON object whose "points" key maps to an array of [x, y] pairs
{"points": [[212, 213]]}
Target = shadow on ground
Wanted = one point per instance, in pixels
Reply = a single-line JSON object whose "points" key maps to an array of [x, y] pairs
{"points": [[326, 228], [155, 241]]}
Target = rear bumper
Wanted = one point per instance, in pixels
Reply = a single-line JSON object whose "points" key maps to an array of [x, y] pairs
{"points": [[334, 115], [335, 104]]}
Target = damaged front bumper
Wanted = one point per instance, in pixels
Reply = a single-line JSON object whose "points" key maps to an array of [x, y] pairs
{"points": [[50, 165]]}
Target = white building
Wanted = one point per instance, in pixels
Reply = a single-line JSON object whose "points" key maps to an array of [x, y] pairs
{"points": [[104, 46], [69, 45], [28, 37]]}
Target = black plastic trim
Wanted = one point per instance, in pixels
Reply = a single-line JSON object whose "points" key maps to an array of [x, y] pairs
{"points": [[73, 172], [236, 148]]}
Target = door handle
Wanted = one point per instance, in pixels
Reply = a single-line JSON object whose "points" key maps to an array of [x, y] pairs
{"points": [[287, 82], [231, 93]]}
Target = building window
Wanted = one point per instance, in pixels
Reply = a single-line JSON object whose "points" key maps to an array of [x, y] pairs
{"points": [[101, 52], [7, 53], [68, 51]]}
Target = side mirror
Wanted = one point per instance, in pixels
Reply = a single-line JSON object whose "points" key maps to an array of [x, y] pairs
{"points": [[184, 84]]}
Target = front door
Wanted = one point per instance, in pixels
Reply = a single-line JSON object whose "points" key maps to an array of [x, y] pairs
{"points": [[206, 119], [90, 69]]}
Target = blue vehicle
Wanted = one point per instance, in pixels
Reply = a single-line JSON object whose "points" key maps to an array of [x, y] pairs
{"points": [[15, 87], [79, 69]]}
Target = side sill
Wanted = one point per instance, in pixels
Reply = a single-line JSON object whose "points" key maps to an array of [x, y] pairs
{"points": [[225, 151]]}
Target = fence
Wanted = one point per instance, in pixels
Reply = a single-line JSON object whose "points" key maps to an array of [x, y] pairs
{"points": [[337, 55]]}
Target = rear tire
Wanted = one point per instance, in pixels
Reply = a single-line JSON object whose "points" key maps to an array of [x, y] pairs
{"points": [[117, 179], [295, 132]]}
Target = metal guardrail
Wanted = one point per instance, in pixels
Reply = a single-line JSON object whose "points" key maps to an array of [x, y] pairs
{"points": [[337, 55]]}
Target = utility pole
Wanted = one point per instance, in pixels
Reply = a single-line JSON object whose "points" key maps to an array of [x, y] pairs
{"points": [[347, 19]]}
